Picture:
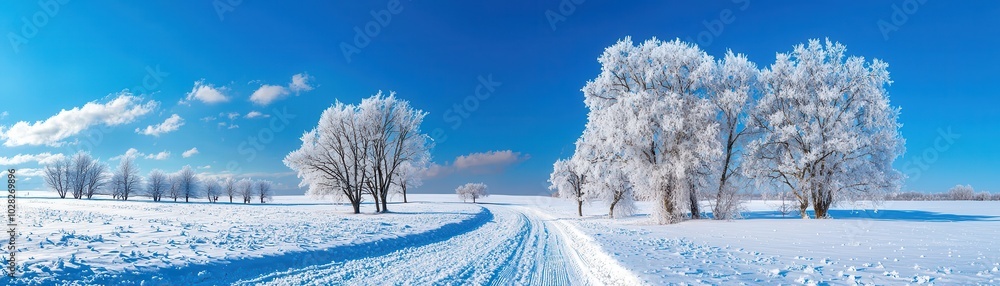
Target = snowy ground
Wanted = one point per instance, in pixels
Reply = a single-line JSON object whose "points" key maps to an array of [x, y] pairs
{"points": [[503, 240], [944, 243]]}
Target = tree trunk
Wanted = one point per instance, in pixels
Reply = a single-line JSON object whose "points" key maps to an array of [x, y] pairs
{"points": [[611, 210], [404, 194], [693, 198], [579, 208], [356, 206], [803, 206]]}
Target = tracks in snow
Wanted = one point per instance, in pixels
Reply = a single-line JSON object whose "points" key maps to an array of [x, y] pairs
{"points": [[518, 246]]}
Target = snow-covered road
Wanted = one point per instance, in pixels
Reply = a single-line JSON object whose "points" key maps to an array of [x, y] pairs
{"points": [[516, 246]]}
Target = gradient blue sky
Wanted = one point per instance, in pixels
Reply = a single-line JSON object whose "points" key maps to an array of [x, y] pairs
{"points": [[943, 61]]}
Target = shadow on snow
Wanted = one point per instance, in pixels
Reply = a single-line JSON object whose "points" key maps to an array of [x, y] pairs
{"points": [[884, 215], [230, 271]]}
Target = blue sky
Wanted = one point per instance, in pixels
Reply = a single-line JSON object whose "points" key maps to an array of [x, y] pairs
{"points": [[527, 59]]}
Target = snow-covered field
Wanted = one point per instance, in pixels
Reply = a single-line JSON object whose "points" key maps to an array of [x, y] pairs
{"points": [[504, 240]]}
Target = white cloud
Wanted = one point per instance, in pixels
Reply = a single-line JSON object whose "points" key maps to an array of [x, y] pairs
{"points": [[255, 114], [123, 109], [132, 152], [205, 167], [159, 156], [478, 163], [4, 115], [170, 125], [228, 125], [268, 93], [230, 115], [190, 153], [205, 93], [208, 118], [300, 83], [31, 172], [40, 158]]}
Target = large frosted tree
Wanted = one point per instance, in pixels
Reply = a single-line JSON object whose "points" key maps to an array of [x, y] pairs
{"points": [[649, 106], [359, 150], [829, 131], [733, 90]]}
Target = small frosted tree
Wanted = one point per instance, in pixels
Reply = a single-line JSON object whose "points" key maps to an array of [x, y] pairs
{"points": [[128, 174], [157, 185], [57, 176], [230, 188], [263, 188], [174, 187], [246, 189], [472, 191], [961, 193], [567, 179], [188, 183], [212, 190]]}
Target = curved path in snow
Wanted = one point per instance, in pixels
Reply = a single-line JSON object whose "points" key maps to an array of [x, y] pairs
{"points": [[517, 246]]}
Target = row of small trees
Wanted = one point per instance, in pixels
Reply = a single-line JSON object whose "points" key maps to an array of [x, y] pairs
{"points": [[956, 193], [82, 176], [670, 124]]}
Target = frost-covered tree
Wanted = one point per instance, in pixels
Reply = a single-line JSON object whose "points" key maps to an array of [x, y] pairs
{"points": [[128, 175], [472, 191], [85, 175], [246, 189], [174, 187], [358, 150], [411, 175], [188, 183], [57, 176], [263, 188], [567, 179], [649, 108], [829, 131], [78, 172], [230, 188], [961, 193], [608, 181], [115, 186], [156, 185], [733, 90], [212, 190]]}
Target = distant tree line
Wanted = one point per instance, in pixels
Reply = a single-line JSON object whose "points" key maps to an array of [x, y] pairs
{"points": [[956, 193], [82, 176]]}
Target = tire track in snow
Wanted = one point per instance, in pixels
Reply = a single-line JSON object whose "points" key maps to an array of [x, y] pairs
{"points": [[517, 247]]}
